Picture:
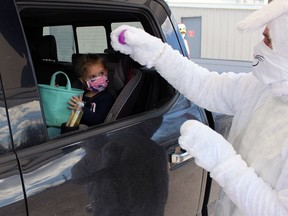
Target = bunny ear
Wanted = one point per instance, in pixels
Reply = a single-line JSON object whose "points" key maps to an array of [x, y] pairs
{"points": [[263, 16]]}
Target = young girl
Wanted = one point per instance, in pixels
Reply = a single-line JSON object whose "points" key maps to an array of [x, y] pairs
{"points": [[97, 100]]}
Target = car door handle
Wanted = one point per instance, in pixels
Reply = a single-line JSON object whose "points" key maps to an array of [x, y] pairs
{"points": [[177, 158]]}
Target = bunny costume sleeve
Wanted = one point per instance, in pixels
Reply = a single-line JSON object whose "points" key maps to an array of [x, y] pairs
{"points": [[254, 172], [195, 82], [244, 187]]}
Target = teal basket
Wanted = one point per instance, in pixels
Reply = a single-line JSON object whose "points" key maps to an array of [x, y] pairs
{"points": [[55, 100]]}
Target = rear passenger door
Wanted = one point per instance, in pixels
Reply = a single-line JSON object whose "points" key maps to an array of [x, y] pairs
{"points": [[12, 196], [118, 168]]}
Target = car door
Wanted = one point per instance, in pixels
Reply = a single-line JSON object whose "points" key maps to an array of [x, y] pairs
{"points": [[12, 196], [132, 166], [16, 96]]}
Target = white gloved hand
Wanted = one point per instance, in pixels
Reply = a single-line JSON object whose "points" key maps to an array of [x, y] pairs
{"points": [[207, 147], [141, 46]]}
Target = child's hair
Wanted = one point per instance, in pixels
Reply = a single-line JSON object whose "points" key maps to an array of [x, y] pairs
{"points": [[89, 59]]}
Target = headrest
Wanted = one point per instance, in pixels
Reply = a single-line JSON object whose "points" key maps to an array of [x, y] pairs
{"points": [[110, 58], [75, 63], [275, 16], [48, 48], [77, 56], [122, 71]]}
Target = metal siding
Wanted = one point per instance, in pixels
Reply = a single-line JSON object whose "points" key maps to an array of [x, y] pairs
{"points": [[220, 37]]}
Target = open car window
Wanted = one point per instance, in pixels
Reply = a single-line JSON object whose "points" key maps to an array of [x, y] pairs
{"points": [[136, 89]]}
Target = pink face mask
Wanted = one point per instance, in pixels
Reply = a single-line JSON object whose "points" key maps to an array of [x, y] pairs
{"points": [[97, 84]]}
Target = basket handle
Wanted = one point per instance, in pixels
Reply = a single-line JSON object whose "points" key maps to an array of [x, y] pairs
{"points": [[53, 78]]}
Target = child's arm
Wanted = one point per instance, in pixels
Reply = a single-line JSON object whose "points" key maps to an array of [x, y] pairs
{"points": [[96, 114]]}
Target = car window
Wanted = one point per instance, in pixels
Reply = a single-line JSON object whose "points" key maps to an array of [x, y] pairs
{"points": [[61, 46], [64, 40], [170, 34], [91, 39]]}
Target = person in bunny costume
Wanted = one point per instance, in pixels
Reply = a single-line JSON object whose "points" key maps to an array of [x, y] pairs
{"points": [[251, 166]]}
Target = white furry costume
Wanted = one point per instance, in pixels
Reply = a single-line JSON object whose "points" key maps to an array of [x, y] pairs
{"points": [[254, 171]]}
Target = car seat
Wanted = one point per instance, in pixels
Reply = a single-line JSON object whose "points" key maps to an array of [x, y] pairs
{"points": [[48, 48], [47, 61], [127, 82]]}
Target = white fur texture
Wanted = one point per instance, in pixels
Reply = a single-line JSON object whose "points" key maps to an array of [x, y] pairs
{"points": [[249, 192], [275, 16], [141, 46], [263, 16], [229, 93], [208, 147]]}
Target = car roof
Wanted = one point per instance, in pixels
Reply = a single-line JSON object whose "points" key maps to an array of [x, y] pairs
{"points": [[74, 14], [132, 3], [136, 2]]}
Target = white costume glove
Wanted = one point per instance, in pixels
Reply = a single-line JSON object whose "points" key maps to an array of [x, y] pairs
{"points": [[141, 46], [208, 147]]}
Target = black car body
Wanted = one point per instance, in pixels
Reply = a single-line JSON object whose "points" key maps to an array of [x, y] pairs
{"points": [[129, 165]]}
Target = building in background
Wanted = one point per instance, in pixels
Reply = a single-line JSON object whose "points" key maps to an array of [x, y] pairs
{"points": [[211, 27]]}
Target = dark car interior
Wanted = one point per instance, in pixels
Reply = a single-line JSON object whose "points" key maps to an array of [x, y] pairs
{"points": [[136, 88]]}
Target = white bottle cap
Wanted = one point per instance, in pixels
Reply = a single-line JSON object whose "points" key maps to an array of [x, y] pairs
{"points": [[81, 104]]}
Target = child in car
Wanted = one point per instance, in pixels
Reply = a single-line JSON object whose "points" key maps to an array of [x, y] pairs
{"points": [[97, 100]]}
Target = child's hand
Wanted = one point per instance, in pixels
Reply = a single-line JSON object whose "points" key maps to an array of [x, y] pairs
{"points": [[73, 102]]}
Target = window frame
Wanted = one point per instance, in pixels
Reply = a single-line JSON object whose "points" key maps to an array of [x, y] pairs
{"points": [[152, 28]]}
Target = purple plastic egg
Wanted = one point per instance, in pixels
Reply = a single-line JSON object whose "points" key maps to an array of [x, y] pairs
{"points": [[121, 38]]}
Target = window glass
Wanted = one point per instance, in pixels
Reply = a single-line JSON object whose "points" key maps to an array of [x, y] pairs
{"points": [[170, 34], [91, 39], [64, 40]]}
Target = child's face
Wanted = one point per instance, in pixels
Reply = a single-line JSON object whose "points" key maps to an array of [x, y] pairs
{"points": [[93, 71], [95, 78]]}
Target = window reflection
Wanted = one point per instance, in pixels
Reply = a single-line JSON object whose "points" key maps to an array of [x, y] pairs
{"points": [[5, 139]]}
